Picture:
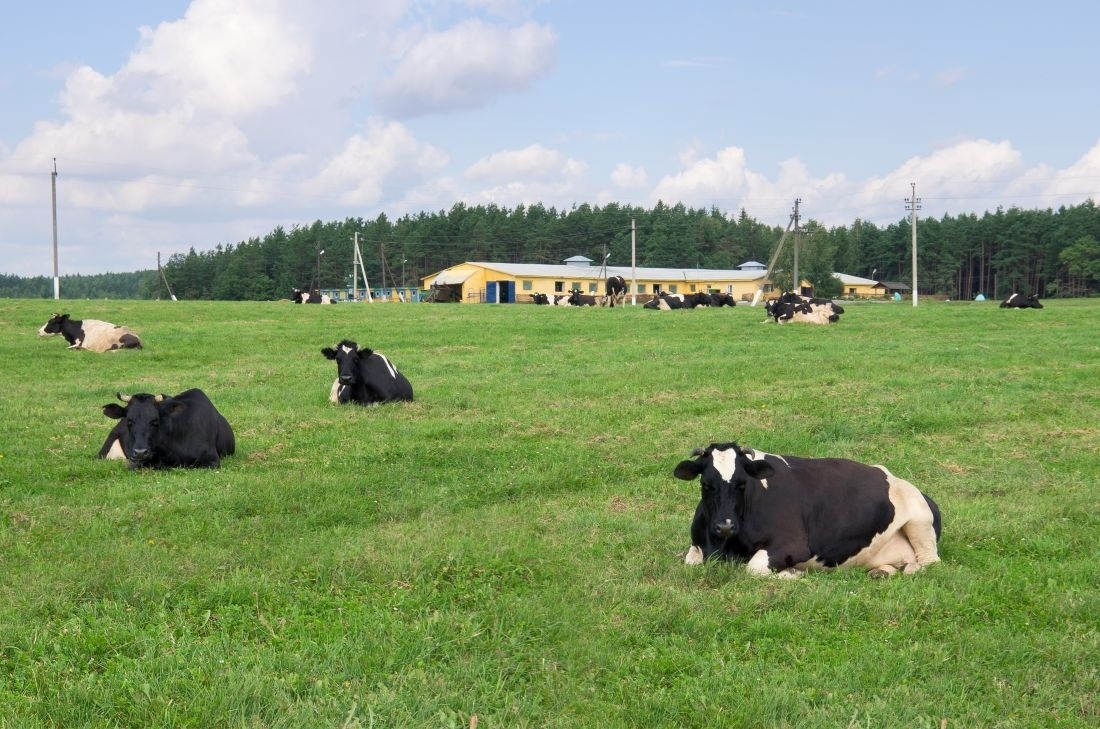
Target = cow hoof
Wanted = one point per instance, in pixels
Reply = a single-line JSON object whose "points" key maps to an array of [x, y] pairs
{"points": [[879, 573]]}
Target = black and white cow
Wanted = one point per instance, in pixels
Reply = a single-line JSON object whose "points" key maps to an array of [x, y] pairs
{"points": [[614, 290], [798, 308], [91, 334], [161, 431], [540, 299], [365, 376], [665, 301], [576, 298], [721, 299], [310, 297], [783, 515], [1019, 301]]}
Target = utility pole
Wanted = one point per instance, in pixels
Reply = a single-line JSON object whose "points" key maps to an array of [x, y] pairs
{"points": [[53, 190], [633, 268], [796, 282], [912, 204]]}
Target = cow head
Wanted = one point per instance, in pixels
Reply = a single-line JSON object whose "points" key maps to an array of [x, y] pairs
{"points": [[723, 471], [146, 420], [348, 356], [54, 325]]}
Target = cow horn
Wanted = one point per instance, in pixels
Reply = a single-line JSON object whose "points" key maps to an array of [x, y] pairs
{"points": [[160, 398], [698, 452], [123, 398]]}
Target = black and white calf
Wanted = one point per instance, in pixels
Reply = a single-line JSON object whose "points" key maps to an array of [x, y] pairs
{"points": [[161, 431], [365, 376], [576, 298], [1019, 301], [783, 515], [91, 334]]}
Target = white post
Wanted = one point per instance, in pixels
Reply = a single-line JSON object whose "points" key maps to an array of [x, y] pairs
{"points": [[633, 270]]}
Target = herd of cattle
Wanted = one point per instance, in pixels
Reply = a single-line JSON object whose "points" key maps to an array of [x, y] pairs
{"points": [[780, 515]]}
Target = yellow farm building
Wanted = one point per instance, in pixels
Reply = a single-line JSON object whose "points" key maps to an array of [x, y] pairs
{"points": [[507, 283]]}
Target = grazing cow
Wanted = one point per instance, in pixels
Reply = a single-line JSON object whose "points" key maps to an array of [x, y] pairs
{"points": [[365, 376], [719, 299], [161, 431], [91, 334], [1019, 301], [614, 290], [311, 297], [576, 298], [783, 515]]}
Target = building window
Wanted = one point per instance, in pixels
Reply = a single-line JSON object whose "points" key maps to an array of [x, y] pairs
{"points": [[527, 286], [592, 287], [576, 286], [559, 287], [672, 288]]}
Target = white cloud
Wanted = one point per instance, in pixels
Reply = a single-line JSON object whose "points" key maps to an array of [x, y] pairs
{"points": [[466, 66], [628, 176], [387, 153], [531, 163]]}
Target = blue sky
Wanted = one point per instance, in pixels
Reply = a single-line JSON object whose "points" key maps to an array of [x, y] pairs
{"points": [[181, 124]]}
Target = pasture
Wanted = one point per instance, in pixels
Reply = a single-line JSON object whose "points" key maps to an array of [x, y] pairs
{"points": [[510, 545]]}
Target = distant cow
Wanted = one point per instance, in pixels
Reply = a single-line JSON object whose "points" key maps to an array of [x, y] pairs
{"points": [[365, 376], [91, 334], [666, 301], [310, 297], [540, 299], [720, 299], [798, 308], [615, 290], [783, 515], [161, 431], [1019, 301], [576, 298]]}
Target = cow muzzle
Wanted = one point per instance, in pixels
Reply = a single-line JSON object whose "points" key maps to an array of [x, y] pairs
{"points": [[725, 529]]}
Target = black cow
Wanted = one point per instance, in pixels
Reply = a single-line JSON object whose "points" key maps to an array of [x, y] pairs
{"points": [[92, 334], [576, 298], [719, 299], [365, 376], [783, 514], [161, 431], [311, 297], [615, 290], [540, 299], [1019, 301]]}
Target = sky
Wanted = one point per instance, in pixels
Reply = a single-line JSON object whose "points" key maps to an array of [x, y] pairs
{"points": [[178, 124]]}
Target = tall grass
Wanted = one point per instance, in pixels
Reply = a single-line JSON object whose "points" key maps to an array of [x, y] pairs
{"points": [[510, 544]]}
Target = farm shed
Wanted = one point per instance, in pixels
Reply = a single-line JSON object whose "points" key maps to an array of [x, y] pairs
{"points": [[485, 282]]}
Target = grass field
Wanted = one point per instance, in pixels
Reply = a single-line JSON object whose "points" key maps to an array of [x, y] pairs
{"points": [[510, 544]]}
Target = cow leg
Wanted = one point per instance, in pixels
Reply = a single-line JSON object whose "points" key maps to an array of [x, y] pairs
{"points": [[922, 537]]}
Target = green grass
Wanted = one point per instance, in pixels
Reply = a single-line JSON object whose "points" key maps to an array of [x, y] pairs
{"points": [[510, 545]]}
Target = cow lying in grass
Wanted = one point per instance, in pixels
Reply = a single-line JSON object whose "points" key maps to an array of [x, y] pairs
{"points": [[783, 515], [365, 376], [90, 334], [161, 431]]}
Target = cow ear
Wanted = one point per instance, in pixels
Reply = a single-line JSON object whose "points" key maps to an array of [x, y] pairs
{"points": [[114, 410], [688, 470], [329, 352], [759, 469]]}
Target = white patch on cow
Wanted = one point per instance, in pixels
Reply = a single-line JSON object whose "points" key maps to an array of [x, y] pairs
{"points": [[334, 393], [116, 453], [758, 565], [694, 555], [389, 365], [909, 542], [43, 333], [345, 349], [725, 462]]}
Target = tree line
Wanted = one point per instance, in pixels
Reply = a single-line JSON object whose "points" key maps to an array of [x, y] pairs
{"points": [[1046, 252]]}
